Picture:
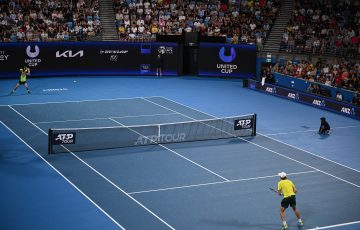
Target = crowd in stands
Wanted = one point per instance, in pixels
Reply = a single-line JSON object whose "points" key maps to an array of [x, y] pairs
{"points": [[241, 21], [324, 27], [356, 99], [48, 20], [342, 74]]}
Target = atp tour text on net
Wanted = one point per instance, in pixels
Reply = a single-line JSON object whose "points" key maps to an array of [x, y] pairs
{"points": [[163, 138]]}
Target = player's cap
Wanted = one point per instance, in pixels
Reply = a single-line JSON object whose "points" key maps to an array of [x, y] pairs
{"points": [[282, 175], [322, 118]]}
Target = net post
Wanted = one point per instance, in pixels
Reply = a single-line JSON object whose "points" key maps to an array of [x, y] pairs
{"points": [[158, 139], [50, 134], [254, 128]]}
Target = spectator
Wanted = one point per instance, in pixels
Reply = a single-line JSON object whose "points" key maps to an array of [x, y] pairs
{"points": [[337, 73], [270, 79], [47, 20], [333, 29], [356, 100], [339, 96], [243, 21], [310, 89]]}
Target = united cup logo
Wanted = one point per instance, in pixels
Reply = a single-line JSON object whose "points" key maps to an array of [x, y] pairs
{"points": [[227, 58], [32, 53]]}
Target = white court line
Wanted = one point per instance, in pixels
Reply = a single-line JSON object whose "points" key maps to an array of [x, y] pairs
{"points": [[101, 175], [334, 226], [61, 102], [311, 130], [79, 190], [193, 162], [345, 166], [186, 106], [271, 138], [105, 118], [250, 142], [218, 182]]}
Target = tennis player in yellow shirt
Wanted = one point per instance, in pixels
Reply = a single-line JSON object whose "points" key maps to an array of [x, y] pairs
{"points": [[287, 189], [23, 74]]}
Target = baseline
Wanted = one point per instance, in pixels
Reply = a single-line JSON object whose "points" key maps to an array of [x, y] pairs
{"points": [[335, 225], [105, 118], [62, 102]]}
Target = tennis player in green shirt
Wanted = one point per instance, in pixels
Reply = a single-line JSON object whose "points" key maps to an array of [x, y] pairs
{"points": [[23, 74], [287, 189]]}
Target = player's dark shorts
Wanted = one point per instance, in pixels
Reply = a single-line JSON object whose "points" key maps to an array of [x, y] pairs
{"points": [[22, 82], [291, 200]]}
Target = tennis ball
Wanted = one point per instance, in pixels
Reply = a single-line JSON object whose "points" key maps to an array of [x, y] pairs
{"points": [[74, 81]]}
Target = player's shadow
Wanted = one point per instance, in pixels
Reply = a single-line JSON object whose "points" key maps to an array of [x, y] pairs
{"points": [[18, 94], [5, 95], [323, 136], [236, 224]]}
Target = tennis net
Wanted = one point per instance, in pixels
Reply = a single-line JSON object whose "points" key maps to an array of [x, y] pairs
{"points": [[85, 139]]}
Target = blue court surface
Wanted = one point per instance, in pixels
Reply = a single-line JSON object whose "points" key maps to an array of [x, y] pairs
{"points": [[212, 184]]}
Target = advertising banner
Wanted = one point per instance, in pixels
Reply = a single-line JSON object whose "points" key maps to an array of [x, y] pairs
{"points": [[87, 58], [314, 100], [231, 60]]}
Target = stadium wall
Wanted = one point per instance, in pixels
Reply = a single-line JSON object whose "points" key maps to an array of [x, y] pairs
{"points": [[305, 98], [302, 85], [87, 58], [125, 58]]}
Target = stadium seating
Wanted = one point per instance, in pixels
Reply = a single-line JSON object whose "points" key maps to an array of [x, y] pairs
{"points": [[337, 73], [48, 20], [242, 21], [324, 27]]}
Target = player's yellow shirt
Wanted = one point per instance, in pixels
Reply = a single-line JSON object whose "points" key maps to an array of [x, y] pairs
{"points": [[23, 73], [287, 187]]}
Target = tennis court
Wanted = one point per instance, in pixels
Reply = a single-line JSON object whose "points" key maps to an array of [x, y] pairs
{"points": [[207, 184]]}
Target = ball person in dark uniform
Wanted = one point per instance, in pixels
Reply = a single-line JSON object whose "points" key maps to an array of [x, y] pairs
{"points": [[23, 74], [324, 126], [287, 189], [159, 62]]}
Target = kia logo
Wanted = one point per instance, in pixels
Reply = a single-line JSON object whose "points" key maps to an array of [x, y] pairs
{"points": [[69, 54]]}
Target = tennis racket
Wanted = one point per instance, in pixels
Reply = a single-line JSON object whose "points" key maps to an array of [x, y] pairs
{"points": [[275, 191]]}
